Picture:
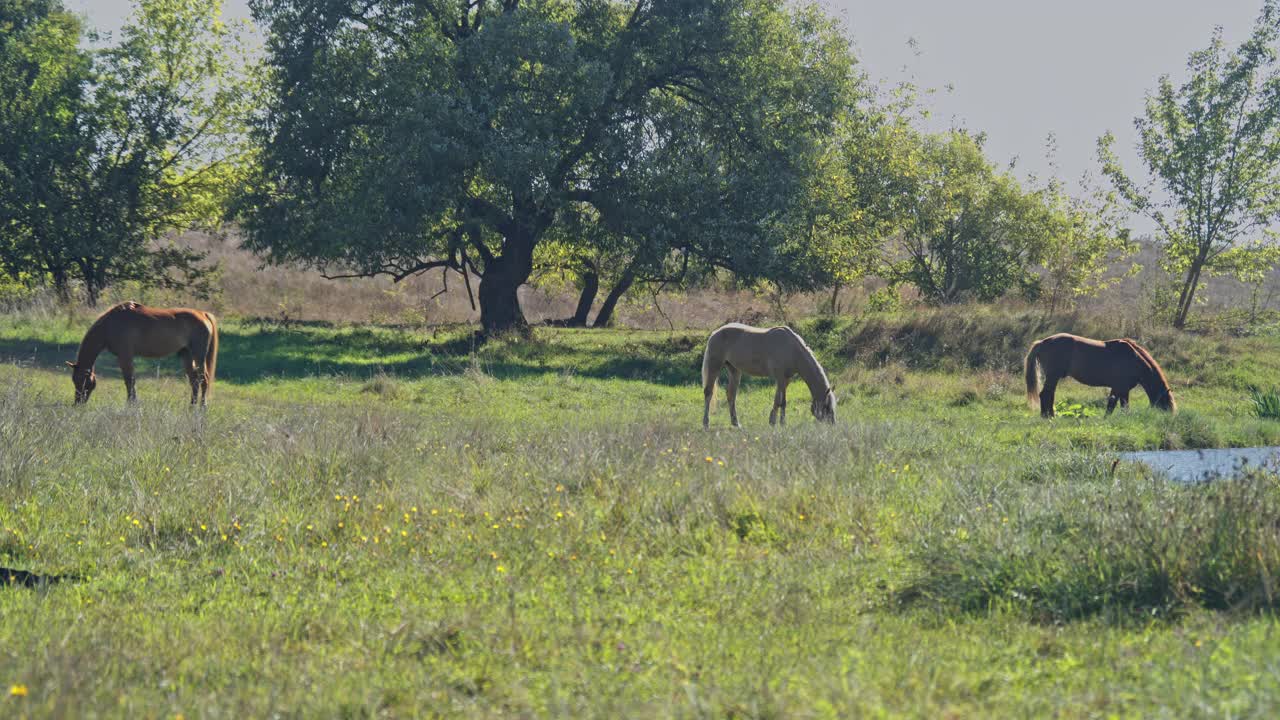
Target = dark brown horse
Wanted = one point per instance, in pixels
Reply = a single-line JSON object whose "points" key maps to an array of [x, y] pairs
{"points": [[129, 330], [1117, 364]]}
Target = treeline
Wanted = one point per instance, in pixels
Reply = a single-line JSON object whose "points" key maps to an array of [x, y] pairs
{"points": [[614, 144]]}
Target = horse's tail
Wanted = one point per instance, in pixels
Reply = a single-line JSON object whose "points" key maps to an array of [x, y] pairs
{"points": [[709, 373], [1033, 380], [211, 354]]}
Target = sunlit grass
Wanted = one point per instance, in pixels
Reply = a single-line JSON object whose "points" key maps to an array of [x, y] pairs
{"points": [[373, 522]]}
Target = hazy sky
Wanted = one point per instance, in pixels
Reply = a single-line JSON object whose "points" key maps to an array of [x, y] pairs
{"points": [[1018, 69], [1021, 69]]}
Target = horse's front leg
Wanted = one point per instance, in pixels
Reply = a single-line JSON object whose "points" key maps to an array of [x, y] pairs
{"points": [[779, 403], [1112, 399]]}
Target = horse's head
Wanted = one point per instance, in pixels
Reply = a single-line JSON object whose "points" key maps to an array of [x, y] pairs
{"points": [[84, 379], [1163, 399], [1159, 393], [824, 407]]}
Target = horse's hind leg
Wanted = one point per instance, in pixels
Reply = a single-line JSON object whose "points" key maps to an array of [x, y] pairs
{"points": [[1046, 395], [731, 392], [130, 384], [708, 392], [190, 367], [198, 362]]}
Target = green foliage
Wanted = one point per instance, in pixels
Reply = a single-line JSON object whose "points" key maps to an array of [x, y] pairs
{"points": [[884, 300], [105, 150], [1266, 403], [970, 232], [1066, 409], [866, 192], [16, 290], [1212, 147], [399, 138], [1087, 240]]}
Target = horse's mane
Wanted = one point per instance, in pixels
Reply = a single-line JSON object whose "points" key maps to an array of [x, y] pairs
{"points": [[1156, 372], [822, 372], [91, 341], [126, 305]]}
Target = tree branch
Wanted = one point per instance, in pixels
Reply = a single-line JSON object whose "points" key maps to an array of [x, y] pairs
{"points": [[396, 272]]}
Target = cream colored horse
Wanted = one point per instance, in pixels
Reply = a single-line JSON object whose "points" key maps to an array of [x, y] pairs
{"points": [[130, 330], [776, 352]]}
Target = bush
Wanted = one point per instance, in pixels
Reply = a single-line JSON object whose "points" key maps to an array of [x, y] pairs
{"points": [[14, 293]]}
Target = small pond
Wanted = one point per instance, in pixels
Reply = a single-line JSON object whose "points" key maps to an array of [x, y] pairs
{"points": [[1192, 466]]}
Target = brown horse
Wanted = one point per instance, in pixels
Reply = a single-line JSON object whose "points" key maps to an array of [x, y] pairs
{"points": [[1117, 364], [129, 330]]}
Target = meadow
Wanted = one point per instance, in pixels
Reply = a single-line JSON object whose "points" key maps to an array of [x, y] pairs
{"points": [[390, 521]]}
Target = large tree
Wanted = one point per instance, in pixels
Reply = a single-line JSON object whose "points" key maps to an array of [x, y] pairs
{"points": [[403, 136], [1212, 149], [43, 78], [103, 151]]}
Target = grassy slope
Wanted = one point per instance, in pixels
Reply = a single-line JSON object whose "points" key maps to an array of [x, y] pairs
{"points": [[368, 521]]}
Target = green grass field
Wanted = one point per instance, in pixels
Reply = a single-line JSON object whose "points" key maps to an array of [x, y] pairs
{"points": [[375, 521]]}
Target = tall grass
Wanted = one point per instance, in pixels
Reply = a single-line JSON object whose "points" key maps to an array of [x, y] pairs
{"points": [[1136, 549], [1266, 403]]}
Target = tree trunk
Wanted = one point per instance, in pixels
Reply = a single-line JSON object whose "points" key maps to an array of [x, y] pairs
{"points": [[1054, 298], [1188, 294], [590, 288], [835, 300], [605, 317], [93, 284], [61, 285], [499, 299], [1178, 316]]}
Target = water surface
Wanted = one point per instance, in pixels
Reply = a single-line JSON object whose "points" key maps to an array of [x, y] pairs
{"points": [[1192, 466]]}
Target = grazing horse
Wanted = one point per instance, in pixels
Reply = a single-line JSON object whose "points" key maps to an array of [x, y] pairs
{"points": [[1117, 364], [776, 352], [129, 330]]}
